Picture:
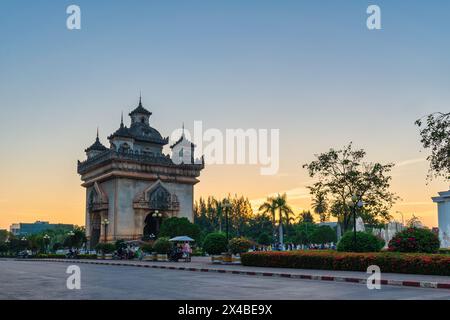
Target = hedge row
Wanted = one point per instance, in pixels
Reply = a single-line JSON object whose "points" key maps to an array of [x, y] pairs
{"points": [[412, 263]]}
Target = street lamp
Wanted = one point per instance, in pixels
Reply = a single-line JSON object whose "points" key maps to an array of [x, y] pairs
{"points": [[401, 213], [227, 206], [24, 243], [157, 214], [105, 223], [46, 242], [71, 234]]}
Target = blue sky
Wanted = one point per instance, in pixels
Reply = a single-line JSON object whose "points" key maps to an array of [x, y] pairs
{"points": [[310, 68]]}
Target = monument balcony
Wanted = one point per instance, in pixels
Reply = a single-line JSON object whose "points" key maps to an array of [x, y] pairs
{"points": [[130, 156]]}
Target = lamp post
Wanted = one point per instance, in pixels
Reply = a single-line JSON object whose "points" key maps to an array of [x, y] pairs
{"points": [[105, 223], [157, 215], [24, 243], [403, 221], [227, 206], [71, 234], [46, 242]]}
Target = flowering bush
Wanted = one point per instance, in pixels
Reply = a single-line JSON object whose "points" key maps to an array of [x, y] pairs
{"points": [[413, 263], [240, 245], [365, 242], [415, 240]]}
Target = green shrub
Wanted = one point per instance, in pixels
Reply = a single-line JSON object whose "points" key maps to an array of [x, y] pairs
{"points": [[49, 256], [162, 245], [147, 247], [173, 227], [394, 262], [215, 243], [240, 245], [415, 240], [444, 251], [365, 242]]}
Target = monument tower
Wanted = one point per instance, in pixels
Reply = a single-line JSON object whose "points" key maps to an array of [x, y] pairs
{"points": [[132, 185]]}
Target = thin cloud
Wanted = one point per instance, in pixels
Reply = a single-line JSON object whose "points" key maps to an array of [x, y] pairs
{"points": [[415, 203], [410, 162], [292, 194]]}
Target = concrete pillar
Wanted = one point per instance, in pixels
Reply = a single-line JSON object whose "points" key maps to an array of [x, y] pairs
{"points": [[443, 203]]}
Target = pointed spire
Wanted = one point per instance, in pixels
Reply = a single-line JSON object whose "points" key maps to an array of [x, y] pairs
{"points": [[182, 134], [97, 136], [140, 99], [121, 120]]}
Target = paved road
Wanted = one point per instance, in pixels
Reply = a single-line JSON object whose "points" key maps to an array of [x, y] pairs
{"points": [[47, 280]]}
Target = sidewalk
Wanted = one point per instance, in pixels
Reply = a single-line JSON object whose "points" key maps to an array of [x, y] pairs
{"points": [[204, 264]]}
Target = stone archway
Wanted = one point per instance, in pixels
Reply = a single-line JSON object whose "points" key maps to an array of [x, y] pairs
{"points": [[152, 225], [154, 199]]}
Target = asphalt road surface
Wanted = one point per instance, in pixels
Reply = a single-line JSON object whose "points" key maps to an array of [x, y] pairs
{"points": [[47, 280]]}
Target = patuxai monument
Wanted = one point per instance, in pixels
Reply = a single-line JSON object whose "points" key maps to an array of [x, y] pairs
{"points": [[132, 185]]}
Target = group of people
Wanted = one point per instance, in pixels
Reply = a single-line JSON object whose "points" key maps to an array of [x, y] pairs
{"points": [[181, 251], [129, 252], [292, 246]]}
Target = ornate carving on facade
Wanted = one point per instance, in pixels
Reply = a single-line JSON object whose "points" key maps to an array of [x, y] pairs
{"points": [[156, 197], [97, 199]]}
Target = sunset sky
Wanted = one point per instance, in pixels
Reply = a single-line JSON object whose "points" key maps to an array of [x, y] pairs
{"points": [[309, 68]]}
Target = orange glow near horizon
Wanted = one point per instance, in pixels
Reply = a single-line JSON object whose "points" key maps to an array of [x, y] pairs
{"points": [[59, 198]]}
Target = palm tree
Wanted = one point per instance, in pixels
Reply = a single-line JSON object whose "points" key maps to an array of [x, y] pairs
{"points": [[284, 210], [320, 207], [269, 208], [306, 217]]}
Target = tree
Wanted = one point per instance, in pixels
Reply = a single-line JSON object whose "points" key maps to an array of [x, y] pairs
{"points": [[319, 205], [258, 225], [269, 208], [414, 222], [4, 234], [265, 239], [173, 227], [210, 215], [76, 238], [342, 174], [303, 233], [284, 210], [323, 234], [306, 217], [435, 135]]}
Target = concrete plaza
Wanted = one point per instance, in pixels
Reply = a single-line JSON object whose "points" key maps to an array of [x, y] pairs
{"points": [[47, 280]]}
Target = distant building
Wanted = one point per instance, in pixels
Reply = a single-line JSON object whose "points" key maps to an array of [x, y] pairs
{"points": [[329, 224], [26, 229]]}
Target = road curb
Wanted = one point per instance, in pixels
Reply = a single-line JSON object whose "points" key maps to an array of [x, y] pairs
{"points": [[401, 283]]}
